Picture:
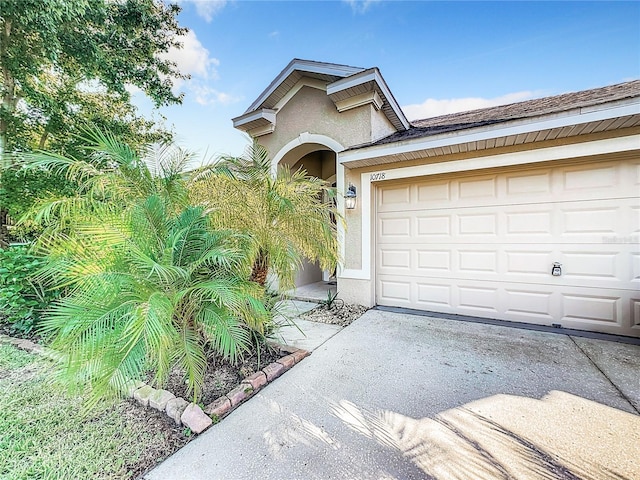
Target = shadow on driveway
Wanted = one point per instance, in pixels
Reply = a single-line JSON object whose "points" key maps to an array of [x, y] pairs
{"points": [[396, 396]]}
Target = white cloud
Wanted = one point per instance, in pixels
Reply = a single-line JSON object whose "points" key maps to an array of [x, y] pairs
{"points": [[360, 6], [274, 34], [432, 107], [132, 89], [206, 9], [193, 58], [205, 95]]}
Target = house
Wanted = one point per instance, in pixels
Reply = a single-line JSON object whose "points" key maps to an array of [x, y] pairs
{"points": [[528, 212]]}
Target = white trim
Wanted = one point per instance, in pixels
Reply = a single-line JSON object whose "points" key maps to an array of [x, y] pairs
{"points": [[371, 75], [364, 273], [304, 66], [266, 113], [303, 82], [360, 100], [340, 186], [485, 133], [352, 81], [587, 149], [264, 130], [301, 139]]}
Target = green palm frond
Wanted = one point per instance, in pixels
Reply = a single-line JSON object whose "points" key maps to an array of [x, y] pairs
{"points": [[154, 323], [69, 167], [227, 335], [112, 176], [106, 145], [150, 282], [288, 217], [137, 298], [191, 358]]}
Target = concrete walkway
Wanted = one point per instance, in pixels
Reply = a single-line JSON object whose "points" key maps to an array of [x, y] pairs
{"points": [[396, 396], [301, 333]]}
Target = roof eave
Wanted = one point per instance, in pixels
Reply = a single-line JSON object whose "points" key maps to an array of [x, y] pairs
{"points": [[254, 119], [303, 66], [394, 112], [391, 152]]}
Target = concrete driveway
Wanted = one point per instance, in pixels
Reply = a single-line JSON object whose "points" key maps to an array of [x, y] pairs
{"points": [[396, 396]]}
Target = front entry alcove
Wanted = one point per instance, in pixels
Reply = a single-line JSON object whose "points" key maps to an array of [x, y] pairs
{"points": [[318, 161]]}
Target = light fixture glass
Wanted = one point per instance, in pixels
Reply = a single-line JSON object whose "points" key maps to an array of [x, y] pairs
{"points": [[350, 197]]}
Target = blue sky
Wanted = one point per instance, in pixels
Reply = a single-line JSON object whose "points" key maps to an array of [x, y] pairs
{"points": [[437, 57]]}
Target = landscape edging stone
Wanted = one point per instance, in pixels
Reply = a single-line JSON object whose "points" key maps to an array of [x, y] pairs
{"points": [[141, 392]]}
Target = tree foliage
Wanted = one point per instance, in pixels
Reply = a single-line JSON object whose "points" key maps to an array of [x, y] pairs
{"points": [[21, 189], [67, 64], [22, 299], [288, 216], [108, 180], [62, 109], [150, 291], [51, 48]]}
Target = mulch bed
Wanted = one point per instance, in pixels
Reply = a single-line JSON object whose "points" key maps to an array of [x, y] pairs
{"points": [[339, 314], [222, 376]]}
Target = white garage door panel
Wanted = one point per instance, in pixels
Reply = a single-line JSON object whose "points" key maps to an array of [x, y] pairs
{"points": [[593, 221], [484, 245], [592, 309], [594, 266], [560, 184]]}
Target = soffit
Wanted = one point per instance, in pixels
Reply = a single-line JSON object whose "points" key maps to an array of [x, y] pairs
{"points": [[342, 83], [438, 147]]}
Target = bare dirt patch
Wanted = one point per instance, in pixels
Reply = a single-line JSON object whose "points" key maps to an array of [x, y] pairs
{"points": [[168, 438]]}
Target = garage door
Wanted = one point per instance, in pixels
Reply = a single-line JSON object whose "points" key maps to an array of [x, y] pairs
{"points": [[485, 245]]}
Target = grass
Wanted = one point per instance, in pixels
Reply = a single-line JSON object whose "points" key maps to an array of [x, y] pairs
{"points": [[43, 434]]}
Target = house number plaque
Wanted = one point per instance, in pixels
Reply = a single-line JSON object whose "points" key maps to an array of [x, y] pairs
{"points": [[377, 176]]}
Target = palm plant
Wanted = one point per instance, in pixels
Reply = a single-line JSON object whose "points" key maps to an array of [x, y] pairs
{"points": [[109, 179], [149, 292], [287, 215], [150, 285]]}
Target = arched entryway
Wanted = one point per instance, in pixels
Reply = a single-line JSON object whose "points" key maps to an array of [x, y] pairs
{"points": [[318, 157]]}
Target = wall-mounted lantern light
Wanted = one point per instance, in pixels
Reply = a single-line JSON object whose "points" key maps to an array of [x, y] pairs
{"points": [[350, 197]]}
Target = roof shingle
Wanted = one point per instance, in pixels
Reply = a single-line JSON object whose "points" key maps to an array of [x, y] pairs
{"points": [[515, 111]]}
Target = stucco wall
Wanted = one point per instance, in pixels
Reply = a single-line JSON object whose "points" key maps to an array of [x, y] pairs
{"points": [[308, 273], [353, 233], [310, 110], [380, 125], [356, 291]]}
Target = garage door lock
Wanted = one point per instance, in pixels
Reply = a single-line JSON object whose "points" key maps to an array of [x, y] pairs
{"points": [[556, 270]]}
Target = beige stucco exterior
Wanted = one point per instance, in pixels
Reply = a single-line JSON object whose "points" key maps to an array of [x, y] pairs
{"points": [[308, 130], [310, 110]]}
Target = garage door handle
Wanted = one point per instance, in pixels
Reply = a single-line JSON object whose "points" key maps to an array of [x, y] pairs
{"points": [[556, 270]]}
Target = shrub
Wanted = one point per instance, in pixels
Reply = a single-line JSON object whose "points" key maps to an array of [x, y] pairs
{"points": [[290, 216], [22, 298], [149, 292]]}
